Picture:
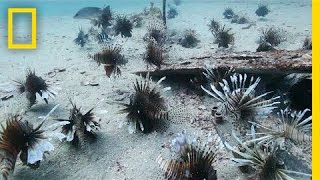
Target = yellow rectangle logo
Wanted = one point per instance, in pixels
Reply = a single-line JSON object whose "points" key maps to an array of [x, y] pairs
{"points": [[33, 44]]}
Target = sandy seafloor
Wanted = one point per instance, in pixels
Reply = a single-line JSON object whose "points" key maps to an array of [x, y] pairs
{"points": [[118, 154]]}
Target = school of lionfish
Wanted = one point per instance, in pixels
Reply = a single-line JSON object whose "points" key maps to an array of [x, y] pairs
{"points": [[147, 111]]}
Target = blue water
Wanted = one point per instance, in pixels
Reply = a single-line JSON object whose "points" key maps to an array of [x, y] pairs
{"points": [[69, 7]]}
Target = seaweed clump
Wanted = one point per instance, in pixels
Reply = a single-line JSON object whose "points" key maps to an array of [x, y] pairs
{"points": [[172, 13], [111, 58], [262, 11], [147, 109], [272, 35], [223, 37], [228, 13], [195, 160], [154, 54], [80, 127], [189, 39], [123, 26], [307, 43], [34, 85], [82, 38]]}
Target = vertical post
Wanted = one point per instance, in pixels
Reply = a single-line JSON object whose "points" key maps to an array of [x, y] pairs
{"points": [[164, 12]]}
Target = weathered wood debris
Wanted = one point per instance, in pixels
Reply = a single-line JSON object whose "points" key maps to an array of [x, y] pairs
{"points": [[278, 63]]}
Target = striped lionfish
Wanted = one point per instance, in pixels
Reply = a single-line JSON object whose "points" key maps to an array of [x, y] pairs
{"points": [[196, 160], [21, 137], [35, 85], [264, 161], [216, 75], [82, 38], [111, 58], [101, 37], [147, 110], [240, 99], [154, 54], [292, 125], [80, 126], [157, 31]]}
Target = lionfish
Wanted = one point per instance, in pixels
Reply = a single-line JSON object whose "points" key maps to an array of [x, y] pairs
{"points": [[104, 20], [196, 161], [123, 26], [157, 31], [263, 160], [154, 54], [292, 125], [216, 75], [239, 97], [111, 58], [80, 126], [147, 109], [21, 137], [101, 37], [35, 85], [82, 38]]}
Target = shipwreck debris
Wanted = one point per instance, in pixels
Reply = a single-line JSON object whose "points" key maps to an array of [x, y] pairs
{"points": [[276, 63]]}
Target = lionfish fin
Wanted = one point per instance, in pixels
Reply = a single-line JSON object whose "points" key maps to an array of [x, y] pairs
{"points": [[178, 114]]}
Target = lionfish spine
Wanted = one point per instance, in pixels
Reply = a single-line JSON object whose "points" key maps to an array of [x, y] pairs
{"points": [[170, 167]]}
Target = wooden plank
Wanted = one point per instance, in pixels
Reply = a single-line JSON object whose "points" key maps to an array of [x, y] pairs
{"points": [[274, 63]]}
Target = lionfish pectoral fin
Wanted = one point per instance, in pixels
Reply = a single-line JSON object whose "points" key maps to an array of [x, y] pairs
{"points": [[36, 153], [179, 114]]}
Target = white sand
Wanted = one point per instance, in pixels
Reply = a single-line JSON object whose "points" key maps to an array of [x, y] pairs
{"points": [[117, 154]]}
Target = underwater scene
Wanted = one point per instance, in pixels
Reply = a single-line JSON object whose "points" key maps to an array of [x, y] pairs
{"points": [[156, 89]]}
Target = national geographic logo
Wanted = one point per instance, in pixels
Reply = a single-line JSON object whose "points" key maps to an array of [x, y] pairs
{"points": [[33, 44]]}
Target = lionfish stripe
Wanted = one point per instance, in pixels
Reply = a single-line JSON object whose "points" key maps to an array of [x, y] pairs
{"points": [[299, 136], [250, 89], [7, 165], [257, 98]]}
